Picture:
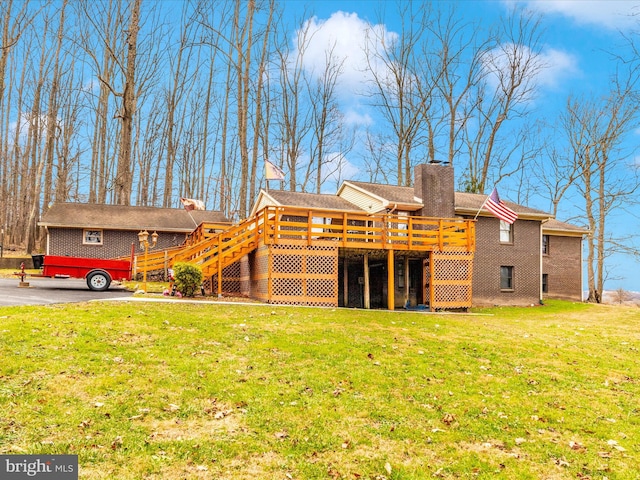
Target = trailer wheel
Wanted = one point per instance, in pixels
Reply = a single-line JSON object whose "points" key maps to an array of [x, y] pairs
{"points": [[98, 280]]}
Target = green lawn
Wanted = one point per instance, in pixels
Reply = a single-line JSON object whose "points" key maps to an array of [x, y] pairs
{"points": [[190, 391]]}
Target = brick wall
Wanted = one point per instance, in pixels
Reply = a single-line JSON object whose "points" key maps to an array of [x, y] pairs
{"points": [[523, 255], [564, 268], [115, 243]]}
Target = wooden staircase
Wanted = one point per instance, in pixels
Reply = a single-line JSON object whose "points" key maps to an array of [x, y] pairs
{"points": [[209, 248]]}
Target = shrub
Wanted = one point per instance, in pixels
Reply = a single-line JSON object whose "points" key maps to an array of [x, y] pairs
{"points": [[188, 278]]}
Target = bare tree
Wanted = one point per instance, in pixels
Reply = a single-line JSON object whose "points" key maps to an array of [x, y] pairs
{"points": [[596, 129], [294, 115], [399, 91], [454, 65], [328, 126], [16, 17], [52, 114], [503, 95], [124, 175]]}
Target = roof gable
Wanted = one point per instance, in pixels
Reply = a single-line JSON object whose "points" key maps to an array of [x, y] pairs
{"points": [[321, 201], [374, 197]]}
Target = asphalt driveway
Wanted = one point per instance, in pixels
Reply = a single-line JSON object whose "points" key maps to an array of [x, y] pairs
{"points": [[44, 291]]}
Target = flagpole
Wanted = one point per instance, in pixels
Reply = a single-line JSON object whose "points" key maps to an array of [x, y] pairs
{"points": [[481, 207], [194, 220]]}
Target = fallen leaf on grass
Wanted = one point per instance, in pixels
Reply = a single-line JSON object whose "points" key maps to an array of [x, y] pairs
{"points": [[172, 407], [448, 419], [116, 442], [614, 444], [387, 467], [576, 446]]}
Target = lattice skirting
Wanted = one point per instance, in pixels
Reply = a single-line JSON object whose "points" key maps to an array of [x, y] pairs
{"points": [[232, 279], [449, 277], [296, 275]]}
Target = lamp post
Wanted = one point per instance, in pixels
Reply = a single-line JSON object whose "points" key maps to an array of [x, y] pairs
{"points": [[143, 238]]}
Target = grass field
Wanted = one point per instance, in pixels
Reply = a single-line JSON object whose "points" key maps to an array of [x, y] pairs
{"points": [[200, 391]]}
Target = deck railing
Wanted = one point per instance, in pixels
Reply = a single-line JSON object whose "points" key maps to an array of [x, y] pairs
{"points": [[284, 225], [214, 249]]}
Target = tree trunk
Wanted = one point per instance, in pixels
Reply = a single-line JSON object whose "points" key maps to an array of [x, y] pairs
{"points": [[124, 174]]}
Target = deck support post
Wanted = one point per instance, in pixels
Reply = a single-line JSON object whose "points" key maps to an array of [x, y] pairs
{"points": [[367, 293], [391, 287], [345, 282], [407, 280]]}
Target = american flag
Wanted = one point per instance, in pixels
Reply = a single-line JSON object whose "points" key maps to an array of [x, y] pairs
{"points": [[499, 209]]}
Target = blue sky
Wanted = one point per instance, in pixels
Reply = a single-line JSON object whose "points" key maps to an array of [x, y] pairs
{"points": [[579, 41]]}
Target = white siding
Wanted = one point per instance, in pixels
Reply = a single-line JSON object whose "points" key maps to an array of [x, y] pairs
{"points": [[361, 199]]}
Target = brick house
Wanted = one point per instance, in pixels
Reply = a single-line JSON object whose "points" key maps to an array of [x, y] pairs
{"points": [[411, 268], [368, 246], [109, 231], [521, 264], [562, 260]]}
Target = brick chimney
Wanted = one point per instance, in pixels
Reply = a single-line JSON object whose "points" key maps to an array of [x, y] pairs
{"points": [[434, 184]]}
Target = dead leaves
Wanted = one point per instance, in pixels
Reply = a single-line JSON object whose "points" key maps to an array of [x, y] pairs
{"points": [[448, 419], [282, 435]]}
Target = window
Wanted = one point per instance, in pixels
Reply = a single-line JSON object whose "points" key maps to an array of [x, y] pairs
{"points": [[506, 233], [506, 278], [92, 237], [545, 283], [545, 244]]}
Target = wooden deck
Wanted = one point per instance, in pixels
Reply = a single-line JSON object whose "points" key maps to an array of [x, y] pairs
{"points": [[213, 247]]}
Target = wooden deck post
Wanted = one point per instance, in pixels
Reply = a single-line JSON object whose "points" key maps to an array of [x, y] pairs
{"points": [[391, 287], [407, 279], [367, 293], [219, 259], [345, 282]]}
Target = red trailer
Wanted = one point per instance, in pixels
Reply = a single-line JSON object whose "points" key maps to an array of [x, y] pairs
{"points": [[98, 272]]}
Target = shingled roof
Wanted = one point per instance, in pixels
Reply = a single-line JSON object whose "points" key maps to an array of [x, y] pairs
{"points": [[470, 203], [557, 227], [118, 217], [309, 200]]}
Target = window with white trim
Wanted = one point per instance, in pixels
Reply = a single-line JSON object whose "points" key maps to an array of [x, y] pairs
{"points": [[91, 237], [506, 232]]}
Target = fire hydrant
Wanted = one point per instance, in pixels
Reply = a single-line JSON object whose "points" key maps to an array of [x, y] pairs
{"points": [[22, 274]]}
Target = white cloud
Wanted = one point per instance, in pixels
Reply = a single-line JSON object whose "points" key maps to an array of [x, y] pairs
{"points": [[352, 117], [558, 66], [612, 14], [349, 36], [551, 66]]}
